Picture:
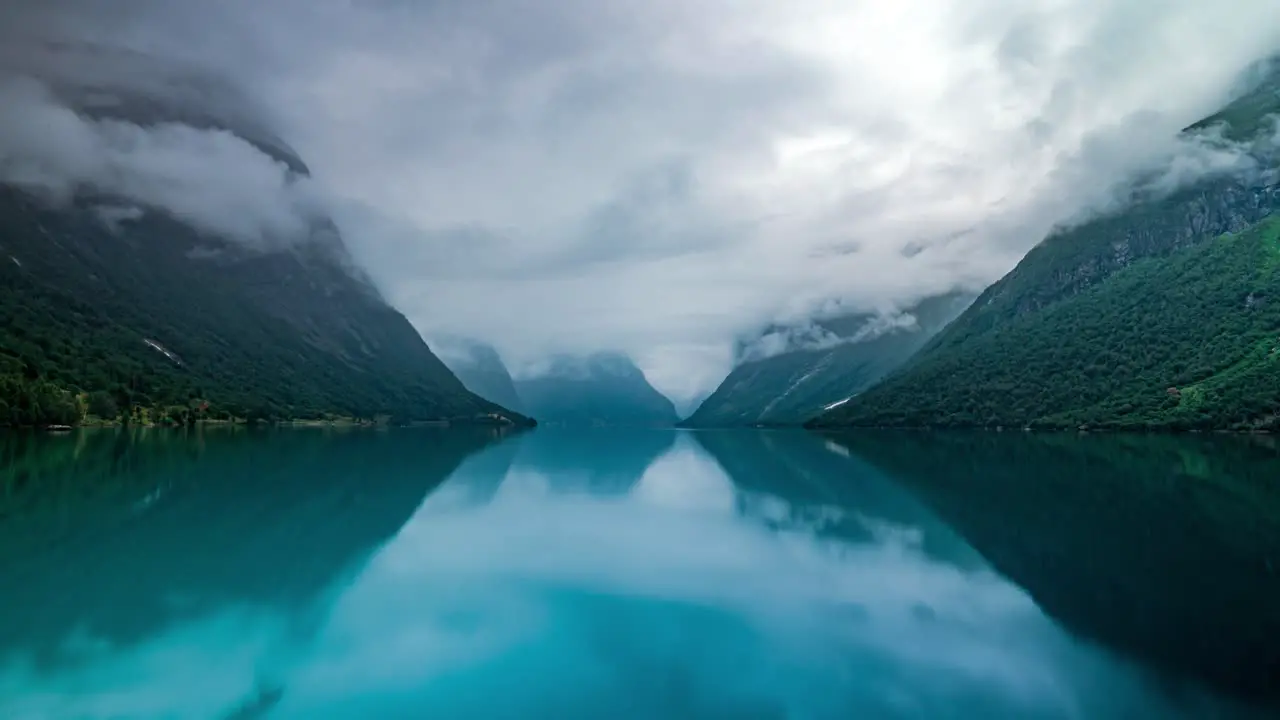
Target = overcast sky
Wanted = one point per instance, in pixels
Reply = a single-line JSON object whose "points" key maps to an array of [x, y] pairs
{"points": [[660, 177]]}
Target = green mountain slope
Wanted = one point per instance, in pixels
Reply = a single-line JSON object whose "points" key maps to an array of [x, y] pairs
{"points": [[1161, 315], [1191, 341], [792, 387], [113, 308], [154, 315], [601, 390]]}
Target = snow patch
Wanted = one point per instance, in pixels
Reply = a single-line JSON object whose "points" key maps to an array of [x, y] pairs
{"points": [[838, 403], [163, 350]]}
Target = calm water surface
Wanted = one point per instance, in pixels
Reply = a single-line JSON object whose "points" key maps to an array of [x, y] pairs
{"points": [[637, 574]]}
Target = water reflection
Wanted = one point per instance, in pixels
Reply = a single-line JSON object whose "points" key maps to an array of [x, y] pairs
{"points": [[557, 575], [106, 537], [1164, 548]]}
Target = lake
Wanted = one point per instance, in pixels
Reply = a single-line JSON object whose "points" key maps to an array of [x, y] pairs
{"points": [[233, 574]]}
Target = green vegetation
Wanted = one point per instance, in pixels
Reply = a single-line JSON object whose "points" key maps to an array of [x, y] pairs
{"points": [[1164, 315], [1186, 342], [153, 323], [1254, 113]]}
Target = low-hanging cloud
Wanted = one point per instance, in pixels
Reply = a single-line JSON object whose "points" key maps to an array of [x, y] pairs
{"points": [[814, 336], [663, 178], [210, 178]]}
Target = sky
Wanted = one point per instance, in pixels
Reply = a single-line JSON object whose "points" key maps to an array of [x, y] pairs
{"points": [[660, 178]]}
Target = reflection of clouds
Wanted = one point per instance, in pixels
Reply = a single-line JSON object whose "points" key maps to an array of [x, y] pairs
{"points": [[686, 479], [678, 596], [193, 671]]}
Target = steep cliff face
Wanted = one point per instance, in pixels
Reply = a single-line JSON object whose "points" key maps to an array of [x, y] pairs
{"points": [[798, 383], [115, 305], [602, 390], [1113, 322]]}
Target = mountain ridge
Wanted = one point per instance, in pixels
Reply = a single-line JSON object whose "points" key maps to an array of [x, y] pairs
{"points": [[602, 389], [119, 309], [1107, 324], [854, 352], [480, 368]]}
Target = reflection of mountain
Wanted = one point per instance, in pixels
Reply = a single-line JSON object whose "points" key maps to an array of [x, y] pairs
{"points": [[597, 459], [116, 534], [811, 474], [480, 475], [1167, 549]]}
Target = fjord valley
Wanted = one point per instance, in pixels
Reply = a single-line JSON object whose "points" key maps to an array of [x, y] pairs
{"points": [[557, 360]]}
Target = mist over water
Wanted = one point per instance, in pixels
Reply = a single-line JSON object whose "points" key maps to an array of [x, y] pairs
{"points": [[566, 574]]}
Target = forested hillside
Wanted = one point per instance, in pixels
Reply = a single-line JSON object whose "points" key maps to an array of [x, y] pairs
{"points": [[153, 321], [1165, 314], [119, 302], [1191, 341]]}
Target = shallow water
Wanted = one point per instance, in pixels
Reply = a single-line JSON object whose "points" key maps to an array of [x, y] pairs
{"points": [[637, 574]]}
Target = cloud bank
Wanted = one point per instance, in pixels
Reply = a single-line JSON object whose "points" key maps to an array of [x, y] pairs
{"points": [[210, 178], [664, 178]]}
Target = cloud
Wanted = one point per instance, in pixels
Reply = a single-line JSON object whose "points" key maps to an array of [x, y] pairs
{"points": [[661, 178], [813, 336], [210, 178]]}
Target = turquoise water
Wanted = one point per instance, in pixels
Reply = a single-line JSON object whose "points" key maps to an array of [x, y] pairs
{"points": [[637, 574]]}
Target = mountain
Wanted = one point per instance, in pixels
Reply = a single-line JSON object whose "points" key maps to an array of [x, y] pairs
{"points": [[115, 307], [1165, 314], [822, 365], [480, 369], [601, 389]]}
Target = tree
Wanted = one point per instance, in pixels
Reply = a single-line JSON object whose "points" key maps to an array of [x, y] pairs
{"points": [[103, 405]]}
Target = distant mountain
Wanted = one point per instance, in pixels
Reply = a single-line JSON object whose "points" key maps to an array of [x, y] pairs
{"points": [[115, 308], [1165, 314], [820, 365], [604, 389], [481, 370]]}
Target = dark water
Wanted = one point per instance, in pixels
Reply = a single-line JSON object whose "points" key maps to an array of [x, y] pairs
{"points": [[609, 574]]}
